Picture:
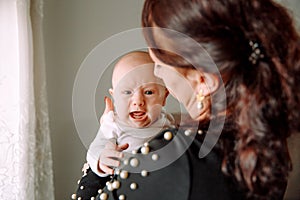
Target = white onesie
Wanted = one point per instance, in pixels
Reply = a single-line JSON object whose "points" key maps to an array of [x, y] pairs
{"points": [[113, 130]]}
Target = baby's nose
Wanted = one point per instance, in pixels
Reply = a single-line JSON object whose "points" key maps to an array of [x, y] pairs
{"points": [[138, 99]]}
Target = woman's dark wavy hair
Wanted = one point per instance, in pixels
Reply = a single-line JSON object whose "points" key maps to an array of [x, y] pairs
{"points": [[262, 99]]}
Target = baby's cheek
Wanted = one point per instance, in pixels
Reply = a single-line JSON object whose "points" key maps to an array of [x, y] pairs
{"points": [[155, 111], [154, 100], [122, 108]]}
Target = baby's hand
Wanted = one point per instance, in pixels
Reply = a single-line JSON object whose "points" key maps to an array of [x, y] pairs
{"points": [[108, 107], [110, 157]]}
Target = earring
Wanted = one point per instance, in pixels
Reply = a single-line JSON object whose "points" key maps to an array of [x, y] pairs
{"points": [[200, 98]]}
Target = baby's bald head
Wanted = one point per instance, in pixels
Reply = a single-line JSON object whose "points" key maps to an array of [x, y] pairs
{"points": [[129, 62]]}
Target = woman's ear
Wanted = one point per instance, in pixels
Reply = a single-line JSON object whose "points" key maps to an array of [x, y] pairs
{"points": [[202, 81], [211, 83]]}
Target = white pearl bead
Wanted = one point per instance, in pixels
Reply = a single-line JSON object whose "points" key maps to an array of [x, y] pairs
{"points": [[134, 162], [126, 162], [146, 144], [122, 197], [117, 171], [103, 196], [133, 186], [145, 150], [199, 105], [154, 157], [144, 173], [79, 198], [82, 187], [200, 132], [73, 196], [100, 191], [110, 187], [134, 152], [116, 184], [187, 132], [124, 174], [168, 135], [93, 198]]}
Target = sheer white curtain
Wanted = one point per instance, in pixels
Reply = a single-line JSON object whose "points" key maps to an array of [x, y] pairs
{"points": [[25, 151]]}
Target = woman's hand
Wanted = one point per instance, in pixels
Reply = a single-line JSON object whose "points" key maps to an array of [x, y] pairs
{"points": [[112, 153], [110, 157], [109, 106]]}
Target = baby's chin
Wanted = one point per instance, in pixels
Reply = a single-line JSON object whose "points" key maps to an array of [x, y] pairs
{"points": [[140, 124]]}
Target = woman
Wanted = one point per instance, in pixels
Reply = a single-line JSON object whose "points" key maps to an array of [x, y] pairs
{"points": [[257, 51], [241, 60]]}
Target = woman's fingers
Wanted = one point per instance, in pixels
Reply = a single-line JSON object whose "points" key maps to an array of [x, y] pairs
{"points": [[111, 153], [110, 157], [109, 106], [106, 169], [122, 147], [110, 162]]}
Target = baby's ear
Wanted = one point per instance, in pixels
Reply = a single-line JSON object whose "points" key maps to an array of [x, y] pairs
{"points": [[111, 91]]}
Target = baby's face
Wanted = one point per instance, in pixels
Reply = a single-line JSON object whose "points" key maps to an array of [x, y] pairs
{"points": [[139, 96]]}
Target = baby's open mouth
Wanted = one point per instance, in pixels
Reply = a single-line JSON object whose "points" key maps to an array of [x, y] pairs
{"points": [[139, 115]]}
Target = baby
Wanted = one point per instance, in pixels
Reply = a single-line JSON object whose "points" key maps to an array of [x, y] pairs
{"points": [[139, 97]]}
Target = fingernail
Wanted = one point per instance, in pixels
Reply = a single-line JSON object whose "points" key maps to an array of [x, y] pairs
{"points": [[105, 98]]}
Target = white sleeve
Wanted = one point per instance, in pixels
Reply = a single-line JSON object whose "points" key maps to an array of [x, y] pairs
{"points": [[105, 134]]}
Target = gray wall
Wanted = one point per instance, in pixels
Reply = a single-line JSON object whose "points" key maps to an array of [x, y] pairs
{"points": [[72, 29]]}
